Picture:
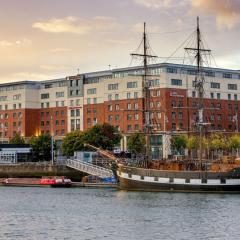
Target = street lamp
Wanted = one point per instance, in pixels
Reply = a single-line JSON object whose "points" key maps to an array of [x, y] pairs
{"points": [[52, 141]]}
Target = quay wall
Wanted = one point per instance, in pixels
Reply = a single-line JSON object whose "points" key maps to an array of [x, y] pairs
{"points": [[38, 170]]}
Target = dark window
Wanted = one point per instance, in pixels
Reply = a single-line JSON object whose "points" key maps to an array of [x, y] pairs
{"points": [[176, 82]]}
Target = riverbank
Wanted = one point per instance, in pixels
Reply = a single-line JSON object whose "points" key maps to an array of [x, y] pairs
{"points": [[37, 170]]}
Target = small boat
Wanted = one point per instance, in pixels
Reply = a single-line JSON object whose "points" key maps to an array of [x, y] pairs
{"points": [[56, 181]]}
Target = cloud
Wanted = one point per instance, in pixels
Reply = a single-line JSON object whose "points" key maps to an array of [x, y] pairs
{"points": [[155, 4], [57, 50], [227, 12], [30, 76], [5, 43], [138, 28], [53, 68], [22, 42], [75, 25]]}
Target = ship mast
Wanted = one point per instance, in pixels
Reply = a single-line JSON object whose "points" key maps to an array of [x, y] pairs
{"points": [[146, 92], [199, 86]]}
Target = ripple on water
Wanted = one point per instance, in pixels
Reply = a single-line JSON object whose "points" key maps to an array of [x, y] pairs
{"points": [[45, 213]]}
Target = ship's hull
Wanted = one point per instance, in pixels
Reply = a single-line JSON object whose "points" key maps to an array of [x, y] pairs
{"points": [[138, 179]]}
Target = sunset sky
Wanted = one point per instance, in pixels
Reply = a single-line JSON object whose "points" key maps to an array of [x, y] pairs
{"points": [[44, 39]]}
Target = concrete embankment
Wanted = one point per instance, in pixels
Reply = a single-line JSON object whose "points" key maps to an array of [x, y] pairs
{"points": [[37, 170]]}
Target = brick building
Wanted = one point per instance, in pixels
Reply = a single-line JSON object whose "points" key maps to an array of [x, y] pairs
{"points": [[115, 96]]}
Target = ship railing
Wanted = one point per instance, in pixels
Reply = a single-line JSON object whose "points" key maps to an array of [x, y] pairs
{"points": [[89, 168]]}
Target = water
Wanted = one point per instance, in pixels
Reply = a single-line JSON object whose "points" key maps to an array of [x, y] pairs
{"points": [[45, 213]]}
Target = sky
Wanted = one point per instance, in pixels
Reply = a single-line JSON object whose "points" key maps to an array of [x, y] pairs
{"points": [[47, 39]]}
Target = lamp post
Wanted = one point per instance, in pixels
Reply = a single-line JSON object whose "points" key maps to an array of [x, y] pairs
{"points": [[52, 141]]}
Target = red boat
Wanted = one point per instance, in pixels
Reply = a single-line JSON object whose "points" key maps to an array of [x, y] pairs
{"points": [[56, 181]]}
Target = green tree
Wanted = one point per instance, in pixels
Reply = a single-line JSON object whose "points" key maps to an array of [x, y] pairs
{"points": [[234, 142], [136, 143], [41, 146], [103, 135], [17, 139], [179, 143], [74, 141], [217, 141]]}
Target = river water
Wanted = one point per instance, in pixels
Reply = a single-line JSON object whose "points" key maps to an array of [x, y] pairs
{"points": [[81, 213]]}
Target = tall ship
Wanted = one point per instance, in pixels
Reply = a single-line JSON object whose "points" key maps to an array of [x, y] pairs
{"points": [[180, 175]]}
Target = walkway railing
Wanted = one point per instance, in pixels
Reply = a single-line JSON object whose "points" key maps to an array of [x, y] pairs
{"points": [[89, 168]]}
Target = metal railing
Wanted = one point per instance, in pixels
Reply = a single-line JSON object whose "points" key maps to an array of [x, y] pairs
{"points": [[89, 168]]}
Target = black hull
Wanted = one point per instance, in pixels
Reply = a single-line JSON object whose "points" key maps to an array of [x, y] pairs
{"points": [[139, 179], [132, 185]]}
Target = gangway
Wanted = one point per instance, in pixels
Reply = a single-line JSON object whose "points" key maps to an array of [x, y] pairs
{"points": [[89, 168]]}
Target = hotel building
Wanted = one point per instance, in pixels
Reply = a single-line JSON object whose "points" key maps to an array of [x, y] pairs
{"points": [[115, 96]]}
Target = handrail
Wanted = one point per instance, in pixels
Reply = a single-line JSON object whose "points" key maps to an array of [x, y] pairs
{"points": [[89, 168]]}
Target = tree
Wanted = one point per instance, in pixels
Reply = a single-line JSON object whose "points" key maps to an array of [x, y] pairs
{"points": [[17, 139], [179, 143], [41, 146], [136, 143], [234, 143], [104, 136], [217, 141], [74, 141]]}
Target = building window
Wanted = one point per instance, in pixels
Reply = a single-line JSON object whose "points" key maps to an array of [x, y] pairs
{"points": [[44, 95], [174, 103], [88, 100], [56, 113], [59, 94], [131, 84], [171, 70], [235, 97], [128, 95], [210, 74], [180, 115], [42, 105], [173, 126], [218, 96], [136, 116], [62, 122], [215, 85], [176, 82], [95, 101], [159, 115], [193, 94], [129, 106], [113, 86], [117, 107], [219, 117], [91, 91], [56, 122], [110, 118], [117, 117], [229, 96], [158, 104], [116, 96], [129, 127], [77, 112], [158, 93], [78, 102], [110, 108], [135, 95], [135, 105], [62, 113], [173, 115], [136, 127], [47, 104], [129, 117], [232, 86], [227, 75], [109, 97], [72, 113], [212, 95]]}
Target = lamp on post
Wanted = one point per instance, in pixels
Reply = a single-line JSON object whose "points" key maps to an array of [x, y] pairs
{"points": [[52, 141]]}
